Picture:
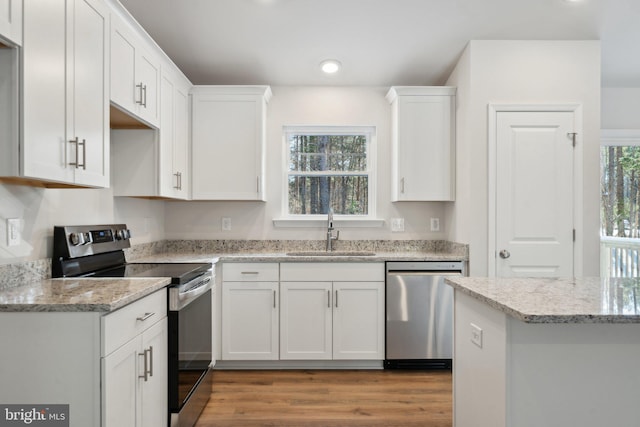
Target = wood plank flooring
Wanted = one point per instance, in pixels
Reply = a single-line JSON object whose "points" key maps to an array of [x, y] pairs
{"points": [[329, 399]]}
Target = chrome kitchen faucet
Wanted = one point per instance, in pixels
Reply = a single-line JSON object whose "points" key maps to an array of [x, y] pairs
{"points": [[330, 236]]}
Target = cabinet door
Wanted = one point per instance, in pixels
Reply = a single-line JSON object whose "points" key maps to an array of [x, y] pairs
{"points": [[181, 140], [167, 177], [358, 320], [44, 143], [11, 20], [250, 321], [148, 75], [305, 320], [87, 80], [174, 136], [120, 393], [228, 146], [154, 399], [123, 66]]}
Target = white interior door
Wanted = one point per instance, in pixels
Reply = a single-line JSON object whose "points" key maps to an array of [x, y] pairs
{"points": [[534, 193]]}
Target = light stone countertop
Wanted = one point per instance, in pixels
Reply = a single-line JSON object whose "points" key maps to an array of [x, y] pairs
{"points": [[78, 294], [557, 300], [342, 256]]}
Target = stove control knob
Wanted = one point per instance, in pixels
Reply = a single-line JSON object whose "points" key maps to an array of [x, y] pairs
{"points": [[123, 234], [76, 239]]}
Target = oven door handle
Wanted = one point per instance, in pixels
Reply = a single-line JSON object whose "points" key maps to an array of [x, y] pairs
{"points": [[178, 300]]}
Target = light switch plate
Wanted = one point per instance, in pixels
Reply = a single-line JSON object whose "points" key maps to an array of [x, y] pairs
{"points": [[476, 335], [14, 235], [226, 224], [435, 224]]}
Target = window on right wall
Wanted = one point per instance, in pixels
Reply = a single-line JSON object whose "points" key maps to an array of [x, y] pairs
{"points": [[329, 167], [620, 204]]}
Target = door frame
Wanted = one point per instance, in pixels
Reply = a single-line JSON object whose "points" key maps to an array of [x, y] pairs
{"points": [[493, 110]]}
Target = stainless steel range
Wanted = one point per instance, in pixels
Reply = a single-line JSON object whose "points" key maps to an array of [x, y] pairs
{"points": [[97, 251]]}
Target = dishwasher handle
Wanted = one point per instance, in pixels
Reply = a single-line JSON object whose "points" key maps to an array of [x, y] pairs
{"points": [[424, 273]]}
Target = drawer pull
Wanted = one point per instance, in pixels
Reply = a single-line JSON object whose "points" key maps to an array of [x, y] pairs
{"points": [[250, 272], [145, 317]]}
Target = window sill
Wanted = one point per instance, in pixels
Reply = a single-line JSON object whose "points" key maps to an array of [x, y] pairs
{"points": [[322, 222]]}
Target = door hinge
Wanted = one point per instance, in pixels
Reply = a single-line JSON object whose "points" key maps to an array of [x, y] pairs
{"points": [[572, 135]]}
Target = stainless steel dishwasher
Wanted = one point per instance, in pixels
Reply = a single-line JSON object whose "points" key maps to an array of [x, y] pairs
{"points": [[419, 313]]}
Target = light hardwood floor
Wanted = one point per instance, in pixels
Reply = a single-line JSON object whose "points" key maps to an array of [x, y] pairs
{"points": [[329, 399]]}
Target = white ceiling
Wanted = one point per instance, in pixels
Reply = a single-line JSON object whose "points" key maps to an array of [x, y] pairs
{"points": [[379, 42]]}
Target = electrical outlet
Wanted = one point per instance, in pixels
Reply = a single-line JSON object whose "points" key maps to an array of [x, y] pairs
{"points": [[397, 224], [435, 224], [14, 236], [226, 224], [476, 335]]}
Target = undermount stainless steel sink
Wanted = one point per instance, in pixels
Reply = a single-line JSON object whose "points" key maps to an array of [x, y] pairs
{"points": [[332, 253]]}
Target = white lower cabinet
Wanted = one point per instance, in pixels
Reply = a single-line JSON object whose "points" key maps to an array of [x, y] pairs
{"points": [[250, 296], [305, 321], [332, 320], [93, 362], [135, 375], [302, 311]]}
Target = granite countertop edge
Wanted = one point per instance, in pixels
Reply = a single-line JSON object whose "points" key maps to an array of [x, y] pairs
{"points": [[532, 318], [283, 257], [103, 303]]}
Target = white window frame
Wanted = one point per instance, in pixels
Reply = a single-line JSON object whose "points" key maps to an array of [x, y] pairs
{"points": [[314, 220]]}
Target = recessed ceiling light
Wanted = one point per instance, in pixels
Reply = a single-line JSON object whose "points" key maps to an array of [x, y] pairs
{"points": [[330, 66]]}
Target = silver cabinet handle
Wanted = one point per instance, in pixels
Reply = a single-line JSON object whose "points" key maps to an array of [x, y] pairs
{"points": [[402, 186], [84, 153], [144, 90], [145, 372], [504, 254], [177, 175], [179, 180], [336, 298], [145, 317], [150, 360], [274, 299], [148, 363], [77, 142], [139, 86], [328, 299], [249, 272]]}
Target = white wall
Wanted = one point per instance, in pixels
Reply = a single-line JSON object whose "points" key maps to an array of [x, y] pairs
{"points": [[308, 106], [620, 108], [40, 209], [520, 72]]}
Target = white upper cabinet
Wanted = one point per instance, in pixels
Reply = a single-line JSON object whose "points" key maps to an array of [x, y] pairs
{"points": [[11, 21], [423, 143], [154, 162], [135, 74], [174, 134], [228, 142], [65, 137]]}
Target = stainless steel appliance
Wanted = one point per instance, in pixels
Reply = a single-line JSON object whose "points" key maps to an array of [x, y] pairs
{"points": [[97, 251], [419, 313]]}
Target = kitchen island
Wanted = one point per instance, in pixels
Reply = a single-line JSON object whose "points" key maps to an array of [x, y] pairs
{"points": [[546, 352]]}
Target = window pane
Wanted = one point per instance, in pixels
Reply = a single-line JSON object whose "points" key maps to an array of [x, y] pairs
{"points": [[347, 195], [620, 191], [312, 153]]}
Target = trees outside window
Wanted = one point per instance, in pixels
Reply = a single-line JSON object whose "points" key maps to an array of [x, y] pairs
{"points": [[329, 167], [620, 191]]}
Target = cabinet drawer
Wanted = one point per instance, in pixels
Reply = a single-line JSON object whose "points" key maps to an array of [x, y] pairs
{"points": [[250, 272], [319, 271], [127, 322]]}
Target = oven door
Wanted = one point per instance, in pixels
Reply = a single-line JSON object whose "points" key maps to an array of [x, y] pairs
{"points": [[190, 347]]}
